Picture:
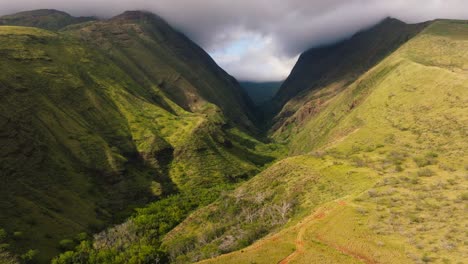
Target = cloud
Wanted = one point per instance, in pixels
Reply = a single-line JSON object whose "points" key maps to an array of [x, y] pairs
{"points": [[255, 57], [277, 30]]}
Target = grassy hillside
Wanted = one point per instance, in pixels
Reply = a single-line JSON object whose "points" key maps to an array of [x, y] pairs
{"points": [[379, 176], [87, 134], [153, 53], [44, 18], [336, 67]]}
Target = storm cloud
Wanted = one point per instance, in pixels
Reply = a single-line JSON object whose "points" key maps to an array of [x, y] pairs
{"points": [[260, 39]]}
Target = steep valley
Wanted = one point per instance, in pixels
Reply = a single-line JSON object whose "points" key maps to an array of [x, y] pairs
{"points": [[122, 141], [97, 120], [376, 174]]}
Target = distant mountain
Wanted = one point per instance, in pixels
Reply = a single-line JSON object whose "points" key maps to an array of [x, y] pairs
{"points": [[44, 18], [261, 92], [340, 64]]}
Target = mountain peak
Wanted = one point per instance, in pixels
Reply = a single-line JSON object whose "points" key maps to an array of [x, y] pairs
{"points": [[390, 19], [134, 15], [389, 22]]}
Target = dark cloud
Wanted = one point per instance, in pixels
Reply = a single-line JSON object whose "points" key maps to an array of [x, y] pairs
{"points": [[282, 29]]}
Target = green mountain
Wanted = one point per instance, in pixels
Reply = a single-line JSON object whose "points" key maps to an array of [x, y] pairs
{"points": [[123, 142], [338, 65], [43, 18], [147, 48], [106, 116]]}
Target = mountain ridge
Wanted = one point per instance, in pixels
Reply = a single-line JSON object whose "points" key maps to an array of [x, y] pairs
{"points": [[50, 19], [339, 64]]}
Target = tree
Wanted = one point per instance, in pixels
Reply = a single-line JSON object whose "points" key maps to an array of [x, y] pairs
{"points": [[283, 209], [30, 257], [3, 235]]}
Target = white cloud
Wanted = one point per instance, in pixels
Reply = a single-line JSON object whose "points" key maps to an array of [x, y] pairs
{"points": [[259, 60]]}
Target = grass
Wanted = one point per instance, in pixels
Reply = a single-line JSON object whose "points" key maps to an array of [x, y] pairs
{"points": [[254, 209]]}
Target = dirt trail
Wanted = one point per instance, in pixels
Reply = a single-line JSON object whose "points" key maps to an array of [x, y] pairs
{"points": [[299, 247], [301, 228], [338, 140], [320, 214]]}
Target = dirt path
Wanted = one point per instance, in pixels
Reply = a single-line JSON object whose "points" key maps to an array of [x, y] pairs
{"points": [[301, 228], [300, 240], [338, 140], [299, 247], [300, 235]]}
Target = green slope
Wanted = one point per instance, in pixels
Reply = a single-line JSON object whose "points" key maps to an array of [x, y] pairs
{"points": [[44, 18], [92, 127], [154, 53], [380, 175], [336, 66]]}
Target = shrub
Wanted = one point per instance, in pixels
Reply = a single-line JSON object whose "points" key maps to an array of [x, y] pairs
{"points": [[81, 237], [416, 218], [426, 258], [372, 193], [428, 159], [66, 244], [414, 180], [30, 256], [425, 172], [397, 158], [4, 246], [358, 162], [7, 258], [399, 168], [361, 210], [464, 196], [3, 235], [18, 234]]}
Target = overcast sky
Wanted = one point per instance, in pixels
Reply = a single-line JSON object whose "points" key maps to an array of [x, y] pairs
{"points": [[260, 40]]}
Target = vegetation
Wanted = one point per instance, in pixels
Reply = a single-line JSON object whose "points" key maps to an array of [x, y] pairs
{"points": [[123, 142], [401, 121], [138, 239], [44, 18], [88, 135]]}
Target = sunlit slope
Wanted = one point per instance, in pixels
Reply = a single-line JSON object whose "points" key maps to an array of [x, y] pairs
{"points": [[323, 72], [393, 146], [83, 141], [418, 95], [154, 53], [280, 196]]}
